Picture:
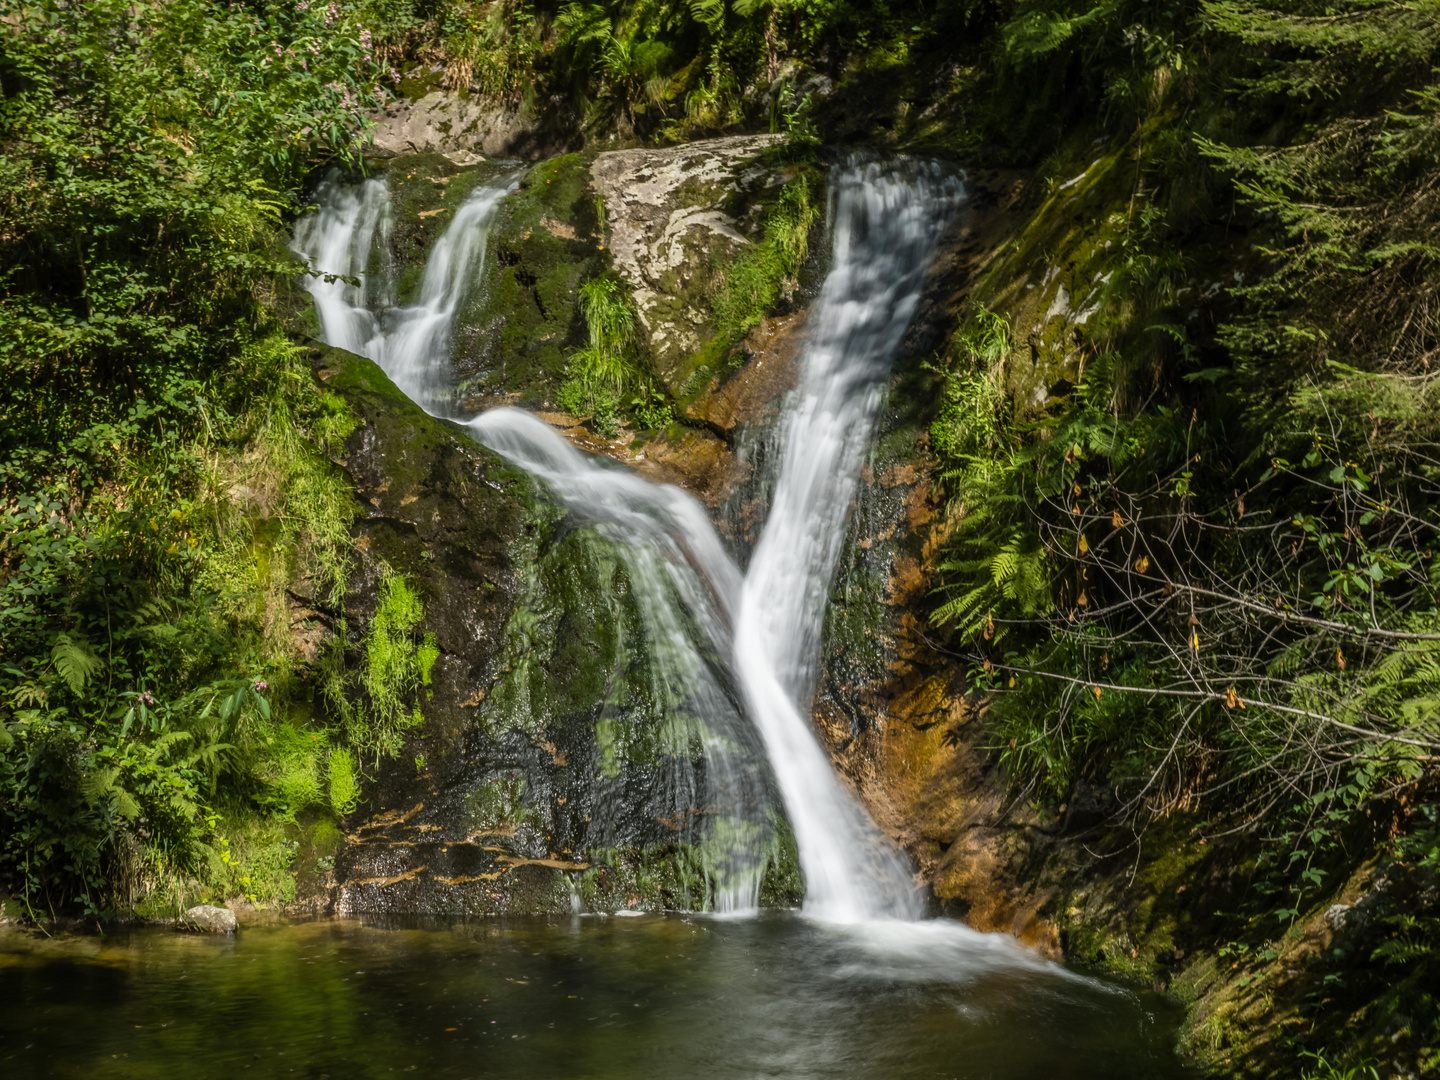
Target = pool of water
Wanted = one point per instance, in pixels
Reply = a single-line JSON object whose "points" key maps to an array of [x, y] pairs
{"points": [[652, 996]]}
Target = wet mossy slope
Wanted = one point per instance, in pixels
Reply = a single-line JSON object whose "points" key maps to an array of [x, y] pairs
{"points": [[544, 768]]}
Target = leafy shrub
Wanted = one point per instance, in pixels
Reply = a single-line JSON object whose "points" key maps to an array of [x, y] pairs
{"points": [[600, 372], [160, 469], [378, 704]]}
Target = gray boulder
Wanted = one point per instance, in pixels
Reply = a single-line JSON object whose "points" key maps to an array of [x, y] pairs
{"points": [[207, 919], [672, 214]]}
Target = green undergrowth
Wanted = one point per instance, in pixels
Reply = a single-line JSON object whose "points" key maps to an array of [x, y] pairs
{"points": [[749, 286], [376, 704], [166, 741], [607, 378]]}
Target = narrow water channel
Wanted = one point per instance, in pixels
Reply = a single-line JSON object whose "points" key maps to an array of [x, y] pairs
{"points": [[654, 996]]}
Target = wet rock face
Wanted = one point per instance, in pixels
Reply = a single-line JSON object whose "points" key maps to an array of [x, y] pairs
{"points": [[544, 770], [673, 216]]}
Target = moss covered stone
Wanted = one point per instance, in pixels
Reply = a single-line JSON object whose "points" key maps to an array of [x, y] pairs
{"points": [[674, 218], [516, 335]]}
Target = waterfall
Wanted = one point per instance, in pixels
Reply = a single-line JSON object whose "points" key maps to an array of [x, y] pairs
{"points": [[686, 587], [336, 241], [683, 582], [411, 343], [707, 626], [885, 223]]}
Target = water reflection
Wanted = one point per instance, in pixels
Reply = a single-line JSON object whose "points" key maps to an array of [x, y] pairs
{"points": [[657, 996]]}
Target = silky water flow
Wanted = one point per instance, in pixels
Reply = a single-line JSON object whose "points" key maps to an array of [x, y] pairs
{"points": [[709, 627]]}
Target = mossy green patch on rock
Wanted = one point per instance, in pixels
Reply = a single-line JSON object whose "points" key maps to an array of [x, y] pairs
{"points": [[515, 335]]}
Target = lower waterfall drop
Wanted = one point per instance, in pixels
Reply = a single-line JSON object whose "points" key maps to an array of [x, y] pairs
{"points": [[886, 221], [687, 587]]}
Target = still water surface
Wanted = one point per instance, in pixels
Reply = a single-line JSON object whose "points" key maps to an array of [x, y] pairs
{"points": [[653, 996]]}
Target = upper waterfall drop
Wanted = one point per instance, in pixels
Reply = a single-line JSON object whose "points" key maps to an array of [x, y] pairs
{"points": [[886, 222], [411, 343]]}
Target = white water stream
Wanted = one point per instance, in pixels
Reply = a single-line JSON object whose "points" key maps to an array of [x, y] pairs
{"points": [[885, 222], [412, 343]]}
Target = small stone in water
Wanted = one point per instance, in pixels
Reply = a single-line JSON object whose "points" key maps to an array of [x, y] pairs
{"points": [[208, 919]]}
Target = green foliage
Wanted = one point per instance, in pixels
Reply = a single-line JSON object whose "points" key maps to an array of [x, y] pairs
{"points": [[162, 453], [749, 286], [606, 366], [1324, 1069], [344, 787], [1198, 575], [379, 703]]}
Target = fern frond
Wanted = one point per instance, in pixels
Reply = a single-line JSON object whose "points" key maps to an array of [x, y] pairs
{"points": [[74, 661]]}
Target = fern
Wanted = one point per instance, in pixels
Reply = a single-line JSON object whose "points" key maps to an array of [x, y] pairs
{"points": [[74, 661]]}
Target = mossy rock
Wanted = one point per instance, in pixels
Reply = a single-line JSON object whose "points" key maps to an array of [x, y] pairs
{"points": [[674, 218], [425, 192], [542, 742], [515, 336]]}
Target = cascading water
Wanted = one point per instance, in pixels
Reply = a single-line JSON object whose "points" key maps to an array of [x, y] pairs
{"points": [[687, 587], [702, 618], [412, 343], [885, 224], [683, 582]]}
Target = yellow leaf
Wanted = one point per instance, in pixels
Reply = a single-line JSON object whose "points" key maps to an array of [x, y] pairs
{"points": [[1084, 544], [1194, 641], [1116, 521], [1142, 564]]}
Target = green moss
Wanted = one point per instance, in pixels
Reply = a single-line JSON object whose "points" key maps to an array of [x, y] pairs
{"points": [[344, 787], [498, 806], [516, 335]]}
